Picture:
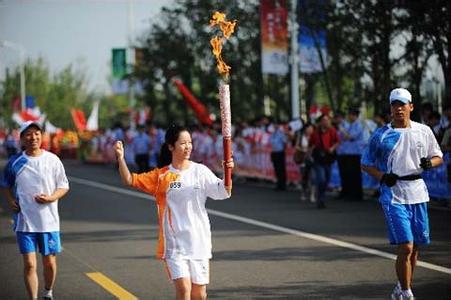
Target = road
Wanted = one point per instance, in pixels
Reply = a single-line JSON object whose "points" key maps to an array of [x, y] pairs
{"points": [[266, 245]]}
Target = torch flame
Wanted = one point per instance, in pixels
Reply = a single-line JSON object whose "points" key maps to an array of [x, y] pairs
{"points": [[223, 68], [216, 44], [217, 18], [227, 28]]}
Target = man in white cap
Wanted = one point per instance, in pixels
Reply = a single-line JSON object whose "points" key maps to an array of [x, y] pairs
{"points": [[396, 155], [34, 181]]}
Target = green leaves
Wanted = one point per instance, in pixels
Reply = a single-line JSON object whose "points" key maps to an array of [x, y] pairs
{"points": [[55, 95], [178, 45]]}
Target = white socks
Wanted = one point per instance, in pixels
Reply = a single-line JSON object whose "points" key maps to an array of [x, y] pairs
{"points": [[48, 293], [404, 293], [407, 293]]}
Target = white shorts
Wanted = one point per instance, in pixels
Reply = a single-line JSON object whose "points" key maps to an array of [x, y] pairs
{"points": [[198, 270]]}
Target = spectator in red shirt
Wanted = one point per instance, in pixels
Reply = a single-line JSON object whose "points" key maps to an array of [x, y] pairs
{"points": [[323, 143]]}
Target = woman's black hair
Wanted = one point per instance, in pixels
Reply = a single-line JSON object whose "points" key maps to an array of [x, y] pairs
{"points": [[304, 128], [301, 131], [171, 136]]}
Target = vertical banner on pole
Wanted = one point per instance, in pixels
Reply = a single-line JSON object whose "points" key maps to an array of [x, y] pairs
{"points": [[312, 41], [308, 53], [274, 36], [119, 70], [119, 62]]}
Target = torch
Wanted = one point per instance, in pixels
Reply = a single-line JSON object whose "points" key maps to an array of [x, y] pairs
{"points": [[227, 28]]}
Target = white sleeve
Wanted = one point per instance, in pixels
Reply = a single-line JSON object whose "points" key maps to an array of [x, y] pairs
{"points": [[433, 146], [60, 175], [212, 185]]}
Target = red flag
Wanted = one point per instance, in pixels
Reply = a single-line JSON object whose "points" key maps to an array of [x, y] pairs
{"points": [[79, 119], [198, 107], [27, 116]]}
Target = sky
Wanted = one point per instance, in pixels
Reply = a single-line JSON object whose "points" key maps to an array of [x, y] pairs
{"points": [[80, 33], [77, 32]]}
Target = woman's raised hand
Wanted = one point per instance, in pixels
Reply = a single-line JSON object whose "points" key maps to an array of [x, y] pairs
{"points": [[119, 150]]}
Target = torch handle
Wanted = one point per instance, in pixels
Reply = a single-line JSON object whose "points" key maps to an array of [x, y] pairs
{"points": [[227, 145]]}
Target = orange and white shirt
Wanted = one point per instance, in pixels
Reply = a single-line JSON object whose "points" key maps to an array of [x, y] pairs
{"points": [[182, 216]]}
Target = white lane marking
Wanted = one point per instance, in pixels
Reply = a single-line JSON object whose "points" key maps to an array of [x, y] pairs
{"points": [[270, 226]]}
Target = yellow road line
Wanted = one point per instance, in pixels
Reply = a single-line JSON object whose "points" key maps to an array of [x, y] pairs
{"points": [[111, 286]]}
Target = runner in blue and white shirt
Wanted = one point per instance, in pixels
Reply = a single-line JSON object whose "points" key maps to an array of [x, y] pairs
{"points": [[35, 180], [397, 154]]}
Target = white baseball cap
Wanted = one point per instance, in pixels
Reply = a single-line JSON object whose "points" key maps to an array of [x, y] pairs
{"points": [[400, 94], [28, 124]]}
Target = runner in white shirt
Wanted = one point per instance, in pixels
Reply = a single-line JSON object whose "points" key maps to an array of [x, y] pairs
{"points": [[397, 154], [181, 188], [35, 180]]}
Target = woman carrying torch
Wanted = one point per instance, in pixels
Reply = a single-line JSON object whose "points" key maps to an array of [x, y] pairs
{"points": [[227, 28], [181, 188]]}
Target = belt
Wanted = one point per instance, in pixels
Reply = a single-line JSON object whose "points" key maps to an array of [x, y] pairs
{"points": [[410, 177]]}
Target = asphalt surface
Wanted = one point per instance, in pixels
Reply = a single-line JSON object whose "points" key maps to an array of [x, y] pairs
{"points": [[262, 247]]}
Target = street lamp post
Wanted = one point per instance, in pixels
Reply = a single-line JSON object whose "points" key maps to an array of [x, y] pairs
{"points": [[131, 56], [294, 60], [21, 51]]}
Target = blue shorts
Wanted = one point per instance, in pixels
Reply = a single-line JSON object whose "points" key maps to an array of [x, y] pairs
{"points": [[48, 242], [407, 223]]}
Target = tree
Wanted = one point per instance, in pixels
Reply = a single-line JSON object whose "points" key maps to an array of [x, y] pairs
{"points": [[373, 46], [178, 45], [374, 20], [433, 20], [344, 41], [418, 50], [54, 95]]}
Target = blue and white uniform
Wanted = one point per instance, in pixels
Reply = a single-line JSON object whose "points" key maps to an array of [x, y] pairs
{"points": [[28, 176], [398, 151]]}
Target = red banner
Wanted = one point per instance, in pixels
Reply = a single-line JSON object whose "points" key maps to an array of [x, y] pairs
{"points": [[198, 107], [79, 119], [274, 35]]}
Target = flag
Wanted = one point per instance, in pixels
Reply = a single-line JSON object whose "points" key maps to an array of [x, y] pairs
{"points": [[199, 108], [93, 120], [142, 115], [29, 102], [27, 115], [79, 119], [21, 117], [50, 128]]}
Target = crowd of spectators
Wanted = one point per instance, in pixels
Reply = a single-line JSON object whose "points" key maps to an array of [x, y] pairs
{"points": [[282, 152]]}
